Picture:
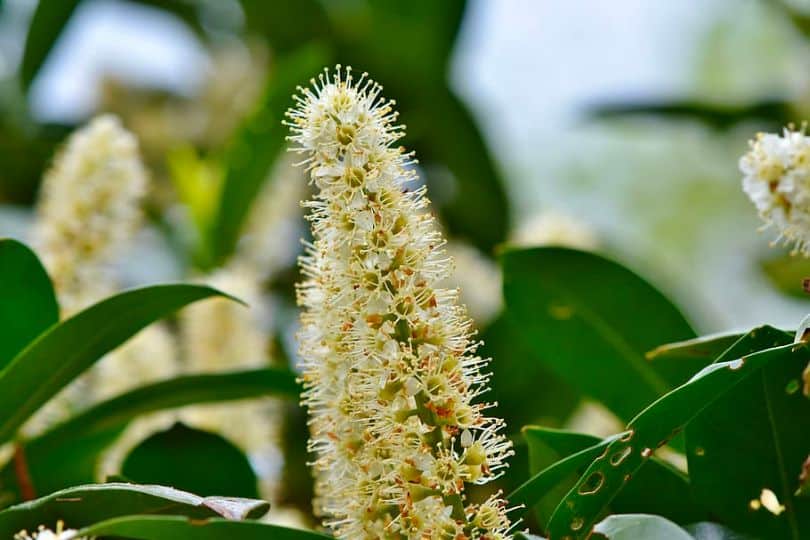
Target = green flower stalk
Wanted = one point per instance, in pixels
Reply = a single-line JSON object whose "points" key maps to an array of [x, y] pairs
{"points": [[391, 377]]}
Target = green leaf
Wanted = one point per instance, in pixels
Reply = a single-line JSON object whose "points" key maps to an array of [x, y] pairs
{"points": [[177, 456], [28, 304], [658, 488], [718, 115], [787, 274], [66, 350], [592, 321], [256, 147], [475, 206], [752, 438], [181, 528], [47, 24], [701, 350], [68, 453], [636, 526], [287, 24], [84, 505], [652, 428], [514, 387], [536, 487]]}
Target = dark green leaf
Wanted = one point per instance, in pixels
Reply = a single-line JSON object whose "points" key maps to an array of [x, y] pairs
{"points": [[473, 198], [84, 505], [192, 460], [517, 373], [755, 437], [181, 528], [256, 147], [691, 355], [777, 112], [47, 24], [64, 351], [637, 526], [652, 428], [701, 350], [28, 304], [592, 321], [68, 453], [287, 24]]}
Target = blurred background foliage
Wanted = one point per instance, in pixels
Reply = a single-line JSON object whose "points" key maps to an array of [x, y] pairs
{"points": [[609, 127]]}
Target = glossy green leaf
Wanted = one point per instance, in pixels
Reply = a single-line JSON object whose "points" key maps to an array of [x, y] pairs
{"points": [[28, 304], [658, 488], [192, 460], [256, 146], [85, 505], [752, 438], [68, 453], [637, 526], [652, 428], [181, 528], [517, 372], [592, 321], [47, 24], [701, 350], [66, 350]]}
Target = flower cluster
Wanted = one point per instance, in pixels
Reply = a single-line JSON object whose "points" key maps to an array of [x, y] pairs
{"points": [[777, 179], [88, 207], [44, 533], [391, 377]]}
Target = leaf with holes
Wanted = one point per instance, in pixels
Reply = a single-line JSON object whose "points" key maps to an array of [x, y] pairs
{"points": [[653, 428], [64, 351], [592, 321], [84, 505], [752, 438], [659, 488]]}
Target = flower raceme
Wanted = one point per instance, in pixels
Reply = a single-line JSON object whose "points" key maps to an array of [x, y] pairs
{"points": [[389, 366], [89, 207], [777, 179]]}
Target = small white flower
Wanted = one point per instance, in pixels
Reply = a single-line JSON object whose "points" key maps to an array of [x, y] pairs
{"points": [[777, 180], [43, 533]]}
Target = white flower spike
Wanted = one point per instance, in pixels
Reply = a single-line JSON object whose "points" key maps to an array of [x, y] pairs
{"points": [[390, 372], [89, 207], [777, 180]]}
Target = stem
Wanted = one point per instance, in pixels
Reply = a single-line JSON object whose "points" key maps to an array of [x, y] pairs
{"points": [[23, 474]]}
